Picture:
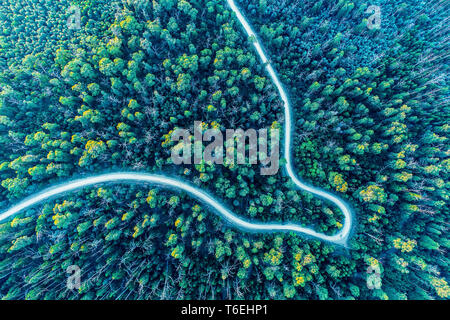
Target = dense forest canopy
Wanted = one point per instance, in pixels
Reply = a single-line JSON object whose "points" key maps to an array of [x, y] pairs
{"points": [[371, 124]]}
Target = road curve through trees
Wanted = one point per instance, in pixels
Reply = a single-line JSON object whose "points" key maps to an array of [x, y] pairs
{"points": [[339, 238]]}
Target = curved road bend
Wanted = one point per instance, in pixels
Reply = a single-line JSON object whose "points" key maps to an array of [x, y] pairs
{"points": [[338, 238], [341, 204]]}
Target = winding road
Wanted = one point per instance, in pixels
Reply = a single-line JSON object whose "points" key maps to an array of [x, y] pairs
{"points": [[339, 238]]}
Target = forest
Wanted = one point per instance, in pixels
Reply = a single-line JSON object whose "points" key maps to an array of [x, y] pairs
{"points": [[371, 113]]}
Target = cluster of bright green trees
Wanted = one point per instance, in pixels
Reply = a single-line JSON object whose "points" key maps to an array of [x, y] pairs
{"points": [[371, 125]]}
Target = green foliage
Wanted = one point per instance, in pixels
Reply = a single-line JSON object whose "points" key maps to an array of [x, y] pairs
{"points": [[371, 124]]}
